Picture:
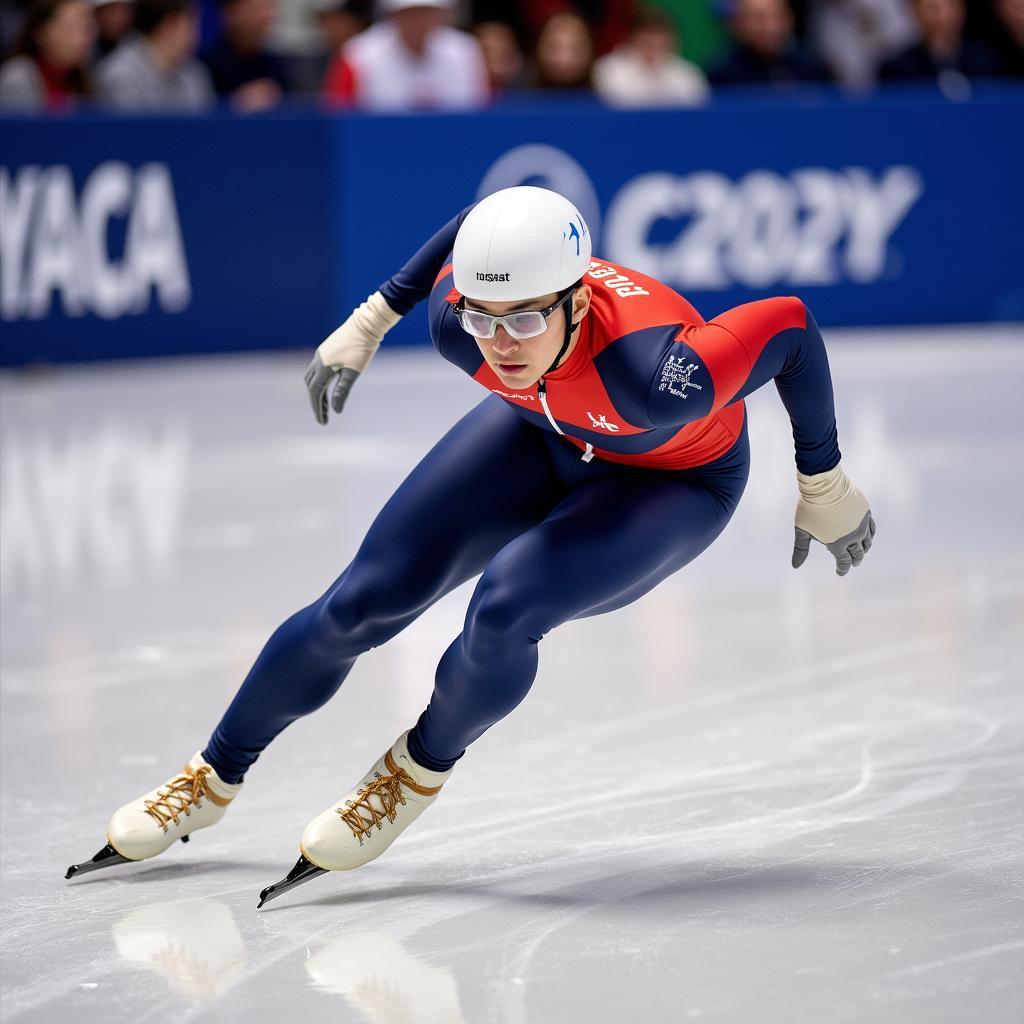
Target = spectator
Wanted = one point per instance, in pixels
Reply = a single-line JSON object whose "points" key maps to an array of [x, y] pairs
{"points": [[506, 66], [241, 66], [339, 21], [943, 55], [610, 21], [765, 49], [114, 20], [411, 60], [699, 27], [297, 39], [564, 58], [47, 67], [513, 13], [855, 36], [157, 69], [1010, 53], [12, 19], [645, 71]]}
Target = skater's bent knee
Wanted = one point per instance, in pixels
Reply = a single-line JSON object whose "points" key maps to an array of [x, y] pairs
{"points": [[502, 613], [356, 616]]}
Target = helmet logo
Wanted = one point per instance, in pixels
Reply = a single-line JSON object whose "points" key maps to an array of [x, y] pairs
{"points": [[491, 277], [574, 232]]}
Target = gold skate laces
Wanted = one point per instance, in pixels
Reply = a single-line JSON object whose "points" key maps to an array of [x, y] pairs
{"points": [[182, 793], [380, 799]]}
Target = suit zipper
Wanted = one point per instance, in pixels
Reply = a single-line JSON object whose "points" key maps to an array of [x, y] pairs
{"points": [[542, 394]]}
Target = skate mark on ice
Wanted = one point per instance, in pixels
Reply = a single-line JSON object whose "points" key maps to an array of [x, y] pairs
{"points": [[958, 958]]}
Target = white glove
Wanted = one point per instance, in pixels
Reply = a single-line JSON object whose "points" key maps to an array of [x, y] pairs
{"points": [[346, 352], [832, 510]]}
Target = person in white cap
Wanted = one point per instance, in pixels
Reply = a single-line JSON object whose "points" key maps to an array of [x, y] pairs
{"points": [[410, 60], [610, 452]]}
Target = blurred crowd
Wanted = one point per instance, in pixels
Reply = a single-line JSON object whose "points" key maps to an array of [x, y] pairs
{"points": [[174, 55]]}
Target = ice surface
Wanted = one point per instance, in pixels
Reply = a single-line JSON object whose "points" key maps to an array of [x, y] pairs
{"points": [[755, 795]]}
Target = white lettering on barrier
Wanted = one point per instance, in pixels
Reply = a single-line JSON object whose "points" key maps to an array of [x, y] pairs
{"points": [[879, 209], [813, 226], [51, 244]]}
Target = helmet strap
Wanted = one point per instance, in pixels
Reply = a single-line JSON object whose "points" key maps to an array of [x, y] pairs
{"points": [[570, 328]]}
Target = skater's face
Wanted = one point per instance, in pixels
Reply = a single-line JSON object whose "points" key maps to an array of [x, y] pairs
{"points": [[520, 364]]}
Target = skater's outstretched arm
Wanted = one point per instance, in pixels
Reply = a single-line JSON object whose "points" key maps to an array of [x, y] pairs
{"points": [[412, 284], [706, 367], [347, 352]]}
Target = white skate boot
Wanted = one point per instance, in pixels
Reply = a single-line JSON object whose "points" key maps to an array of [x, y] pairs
{"points": [[365, 821], [195, 798]]}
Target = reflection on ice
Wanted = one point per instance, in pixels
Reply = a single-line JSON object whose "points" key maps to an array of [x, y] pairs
{"points": [[377, 975], [106, 499], [193, 945]]}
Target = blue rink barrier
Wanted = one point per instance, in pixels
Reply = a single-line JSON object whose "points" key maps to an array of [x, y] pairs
{"points": [[130, 236]]}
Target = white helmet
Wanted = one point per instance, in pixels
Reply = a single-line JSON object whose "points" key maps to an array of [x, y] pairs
{"points": [[520, 243]]}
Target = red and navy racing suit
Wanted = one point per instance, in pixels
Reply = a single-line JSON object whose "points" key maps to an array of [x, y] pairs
{"points": [[572, 498]]}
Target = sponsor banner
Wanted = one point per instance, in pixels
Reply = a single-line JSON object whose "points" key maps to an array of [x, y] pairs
{"points": [[894, 210], [156, 237], [149, 237]]}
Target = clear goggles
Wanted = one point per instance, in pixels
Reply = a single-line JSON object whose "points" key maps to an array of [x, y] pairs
{"points": [[527, 323]]}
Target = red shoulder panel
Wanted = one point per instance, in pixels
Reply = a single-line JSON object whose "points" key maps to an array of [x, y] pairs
{"points": [[756, 323], [731, 343], [625, 301]]}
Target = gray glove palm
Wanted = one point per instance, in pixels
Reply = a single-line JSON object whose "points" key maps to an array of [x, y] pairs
{"points": [[319, 380], [832, 510], [345, 353], [848, 550]]}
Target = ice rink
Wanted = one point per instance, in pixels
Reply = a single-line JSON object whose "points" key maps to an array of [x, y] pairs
{"points": [[757, 795]]}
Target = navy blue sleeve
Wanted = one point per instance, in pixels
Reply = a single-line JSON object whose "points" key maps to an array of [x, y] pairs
{"points": [[412, 284], [705, 368], [804, 384]]}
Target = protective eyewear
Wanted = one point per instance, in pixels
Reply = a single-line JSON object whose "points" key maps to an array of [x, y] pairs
{"points": [[527, 323]]}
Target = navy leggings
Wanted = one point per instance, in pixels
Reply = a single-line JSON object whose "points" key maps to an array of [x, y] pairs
{"points": [[556, 539]]}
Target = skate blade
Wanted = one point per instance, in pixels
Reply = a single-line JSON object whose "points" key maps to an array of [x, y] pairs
{"points": [[106, 858], [303, 871]]}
